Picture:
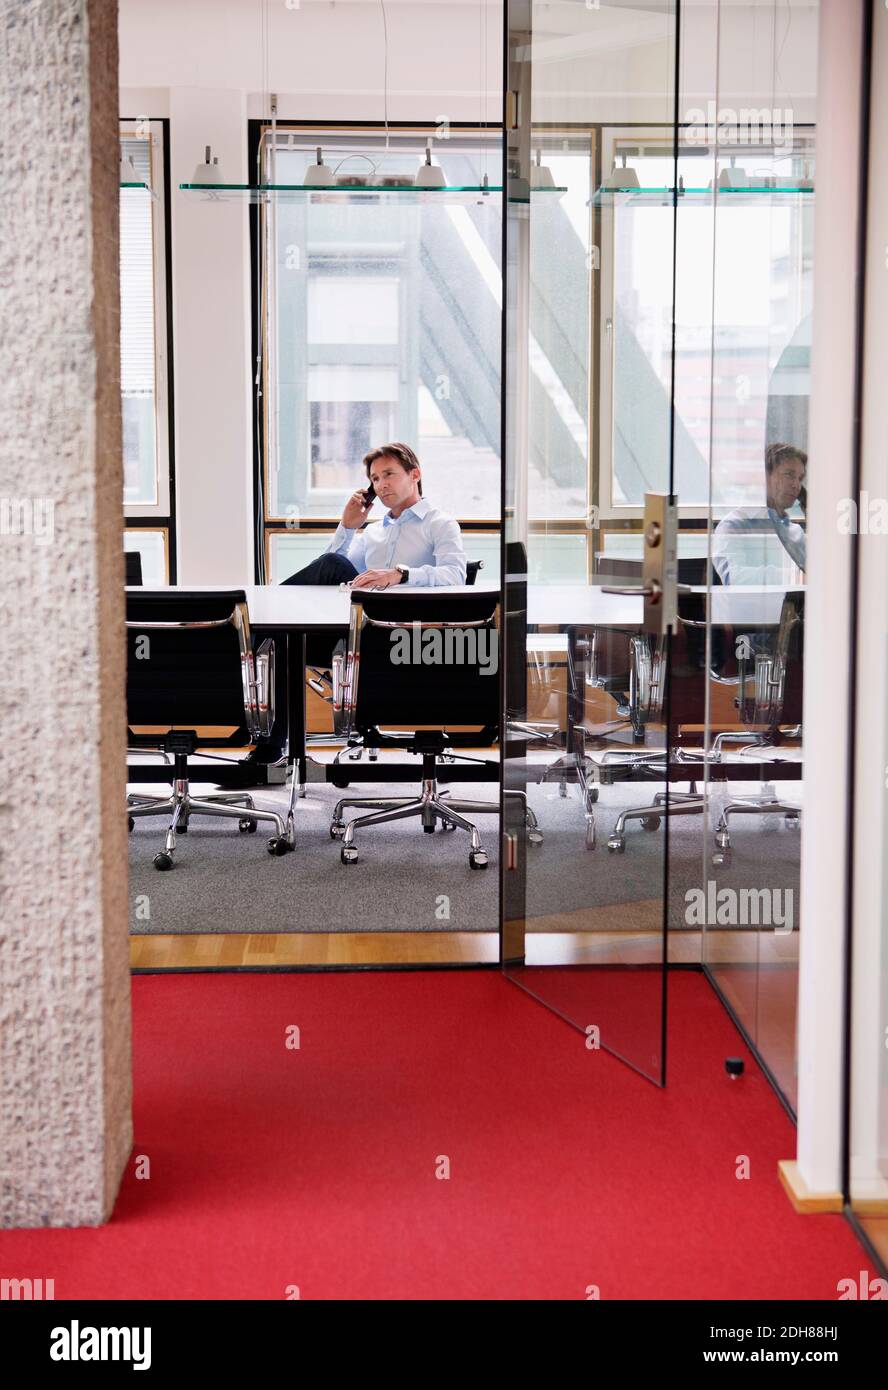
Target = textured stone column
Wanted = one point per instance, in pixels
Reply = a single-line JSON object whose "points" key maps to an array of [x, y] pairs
{"points": [[65, 1076]]}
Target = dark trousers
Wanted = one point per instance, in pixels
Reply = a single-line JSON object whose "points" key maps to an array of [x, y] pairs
{"points": [[326, 569]]}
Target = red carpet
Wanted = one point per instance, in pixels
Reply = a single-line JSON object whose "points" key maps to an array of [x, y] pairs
{"points": [[272, 1167]]}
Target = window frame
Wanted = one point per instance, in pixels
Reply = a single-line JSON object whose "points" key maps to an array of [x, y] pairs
{"points": [[266, 524], [612, 137], [160, 515]]}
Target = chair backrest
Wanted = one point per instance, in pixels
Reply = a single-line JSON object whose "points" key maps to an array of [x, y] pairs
{"points": [[189, 661], [423, 659], [133, 562]]}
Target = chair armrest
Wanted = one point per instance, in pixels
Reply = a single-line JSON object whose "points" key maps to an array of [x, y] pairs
{"points": [[257, 670]]}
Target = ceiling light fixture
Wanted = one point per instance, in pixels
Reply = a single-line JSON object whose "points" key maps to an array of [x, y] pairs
{"points": [[540, 173], [623, 178], [319, 175], [209, 173], [430, 175]]}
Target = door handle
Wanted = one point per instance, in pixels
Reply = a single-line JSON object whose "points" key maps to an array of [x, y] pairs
{"points": [[653, 592]]}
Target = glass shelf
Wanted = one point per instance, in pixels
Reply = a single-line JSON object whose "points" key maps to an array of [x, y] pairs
{"points": [[136, 185], [259, 193], [659, 197]]}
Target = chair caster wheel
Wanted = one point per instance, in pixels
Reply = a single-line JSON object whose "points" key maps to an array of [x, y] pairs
{"points": [[131, 824], [722, 839], [562, 789], [374, 757], [590, 834], [535, 837], [448, 825], [616, 844], [247, 826], [338, 782], [277, 846], [477, 859], [348, 854], [429, 829], [337, 830], [650, 823], [163, 860], [792, 822], [720, 858], [591, 795]]}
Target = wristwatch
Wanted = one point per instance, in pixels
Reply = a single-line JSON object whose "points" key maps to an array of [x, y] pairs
{"points": [[404, 573]]}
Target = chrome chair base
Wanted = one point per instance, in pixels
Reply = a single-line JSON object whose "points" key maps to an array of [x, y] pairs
{"points": [[752, 806], [180, 806], [664, 804], [431, 806]]}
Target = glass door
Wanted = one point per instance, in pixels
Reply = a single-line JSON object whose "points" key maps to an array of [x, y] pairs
{"points": [[659, 263], [590, 449]]}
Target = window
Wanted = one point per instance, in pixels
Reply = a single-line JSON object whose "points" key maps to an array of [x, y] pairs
{"points": [[761, 321], [381, 321], [561, 351], [144, 327]]}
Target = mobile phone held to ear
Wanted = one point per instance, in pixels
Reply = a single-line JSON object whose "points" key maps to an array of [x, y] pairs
{"points": [[369, 495]]}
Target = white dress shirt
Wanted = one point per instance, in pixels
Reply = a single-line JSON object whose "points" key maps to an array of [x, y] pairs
{"points": [[426, 540], [758, 545]]}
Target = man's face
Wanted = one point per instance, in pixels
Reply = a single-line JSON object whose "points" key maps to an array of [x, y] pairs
{"points": [[394, 484], [785, 484]]}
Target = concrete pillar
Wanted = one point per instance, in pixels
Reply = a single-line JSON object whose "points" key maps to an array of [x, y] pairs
{"points": [[65, 1072]]}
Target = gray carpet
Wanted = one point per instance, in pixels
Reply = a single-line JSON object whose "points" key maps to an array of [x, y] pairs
{"points": [[563, 877], [406, 880], [228, 882]]}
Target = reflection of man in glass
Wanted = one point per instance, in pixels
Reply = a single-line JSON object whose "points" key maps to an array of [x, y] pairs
{"points": [[762, 545]]}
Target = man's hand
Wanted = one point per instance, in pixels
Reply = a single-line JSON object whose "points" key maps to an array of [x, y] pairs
{"points": [[376, 579], [355, 512]]}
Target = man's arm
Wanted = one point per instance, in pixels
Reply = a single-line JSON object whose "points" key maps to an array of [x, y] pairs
{"points": [[348, 540], [351, 544], [450, 558]]}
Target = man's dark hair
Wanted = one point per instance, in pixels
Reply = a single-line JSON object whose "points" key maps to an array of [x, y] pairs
{"points": [[401, 452], [782, 453]]}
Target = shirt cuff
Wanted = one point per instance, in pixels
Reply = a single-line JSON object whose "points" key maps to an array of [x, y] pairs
{"points": [[342, 538]]}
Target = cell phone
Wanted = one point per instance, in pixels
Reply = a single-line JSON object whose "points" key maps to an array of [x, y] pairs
{"points": [[369, 495]]}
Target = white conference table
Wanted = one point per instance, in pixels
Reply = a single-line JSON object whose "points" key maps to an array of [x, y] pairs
{"points": [[307, 607]]}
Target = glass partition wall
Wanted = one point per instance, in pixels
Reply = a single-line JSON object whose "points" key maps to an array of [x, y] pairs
{"points": [[659, 255], [761, 253], [588, 397]]}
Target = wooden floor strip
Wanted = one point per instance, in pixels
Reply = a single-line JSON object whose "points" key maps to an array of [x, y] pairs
{"points": [[229, 950]]}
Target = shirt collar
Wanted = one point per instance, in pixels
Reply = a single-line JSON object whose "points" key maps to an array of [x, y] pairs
{"points": [[418, 510]]}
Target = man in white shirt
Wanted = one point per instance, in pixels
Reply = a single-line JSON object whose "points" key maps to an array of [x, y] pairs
{"points": [[413, 543], [761, 545]]}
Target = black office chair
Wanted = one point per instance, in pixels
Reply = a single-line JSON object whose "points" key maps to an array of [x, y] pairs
{"points": [[326, 684], [133, 562], [770, 684], [318, 659], [190, 664], [462, 689]]}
